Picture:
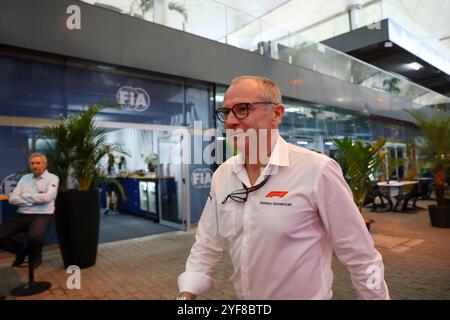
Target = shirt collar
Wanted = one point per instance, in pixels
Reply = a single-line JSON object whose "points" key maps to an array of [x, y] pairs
{"points": [[42, 176], [280, 153]]}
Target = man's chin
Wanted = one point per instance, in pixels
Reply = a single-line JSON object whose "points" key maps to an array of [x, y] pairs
{"points": [[240, 148], [238, 142]]}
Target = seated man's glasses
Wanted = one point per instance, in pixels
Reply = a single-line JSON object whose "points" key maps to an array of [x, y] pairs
{"points": [[240, 110], [241, 195]]}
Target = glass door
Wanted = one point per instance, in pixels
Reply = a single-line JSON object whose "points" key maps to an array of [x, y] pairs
{"points": [[395, 160], [161, 193], [171, 181]]}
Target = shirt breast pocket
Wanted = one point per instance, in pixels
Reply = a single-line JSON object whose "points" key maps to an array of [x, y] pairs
{"points": [[42, 187], [229, 219], [29, 188]]}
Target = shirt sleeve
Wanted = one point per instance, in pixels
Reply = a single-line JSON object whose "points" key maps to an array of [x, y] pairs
{"points": [[45, 196], [15, 197], [205, 253], [351, 241]]}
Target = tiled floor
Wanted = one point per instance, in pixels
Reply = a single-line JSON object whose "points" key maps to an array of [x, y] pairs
{"points": [[416, 256], [120, 226]]}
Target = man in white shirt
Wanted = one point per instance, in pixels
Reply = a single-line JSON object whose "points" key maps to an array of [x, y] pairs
{"points": [[35, 196], [280, 213]]}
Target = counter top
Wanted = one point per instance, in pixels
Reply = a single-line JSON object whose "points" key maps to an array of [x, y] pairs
{"points": [[146, 177]]}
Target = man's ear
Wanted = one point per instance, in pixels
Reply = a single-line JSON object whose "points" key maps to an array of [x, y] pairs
{"points": [[278, 113]]}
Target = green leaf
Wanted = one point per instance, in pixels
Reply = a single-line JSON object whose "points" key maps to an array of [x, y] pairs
{"points": [[436, 146], [76, 144], [359, 162]]}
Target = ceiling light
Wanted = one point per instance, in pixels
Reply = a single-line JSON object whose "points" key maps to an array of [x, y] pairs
{"points": [[302, 142], [328, 143], [415, 66], [388, 44]]}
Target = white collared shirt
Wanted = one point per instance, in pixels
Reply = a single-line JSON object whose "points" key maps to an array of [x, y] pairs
{"points": [[36, 195], [282, 238]]}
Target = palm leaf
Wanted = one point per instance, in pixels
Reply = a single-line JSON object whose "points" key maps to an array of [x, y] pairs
{"points": [[436, 146], [359, 162], [77, 144]]}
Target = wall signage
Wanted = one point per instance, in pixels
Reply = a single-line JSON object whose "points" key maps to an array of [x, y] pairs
{"points": [[201, 178], [133, 99]]}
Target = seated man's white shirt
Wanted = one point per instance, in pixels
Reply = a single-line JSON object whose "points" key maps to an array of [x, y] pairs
{"points": [[36, 195]]}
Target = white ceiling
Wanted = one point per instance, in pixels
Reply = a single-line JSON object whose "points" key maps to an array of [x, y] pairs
{"points": [[430, 16]]}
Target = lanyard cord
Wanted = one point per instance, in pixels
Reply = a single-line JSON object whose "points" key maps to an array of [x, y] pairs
{"points": [[256, 187]]}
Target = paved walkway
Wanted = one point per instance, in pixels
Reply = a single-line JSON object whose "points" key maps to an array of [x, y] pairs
{"points": [[416, 255]]}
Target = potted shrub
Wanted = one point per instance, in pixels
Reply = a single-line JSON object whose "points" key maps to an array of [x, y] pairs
{"points": [[359, 162], [75, 146], [151, 159], [436, 150]]}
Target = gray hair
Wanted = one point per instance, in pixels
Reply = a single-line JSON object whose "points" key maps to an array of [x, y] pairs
{"points": [[269, 89], [37, 154]]}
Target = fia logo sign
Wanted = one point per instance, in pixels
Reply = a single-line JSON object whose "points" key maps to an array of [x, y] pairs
{"points": [[134, 99], [201, 178]]}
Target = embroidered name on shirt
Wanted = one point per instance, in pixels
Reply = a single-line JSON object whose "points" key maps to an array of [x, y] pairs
{"points": [[273, 203], [279, 194]]}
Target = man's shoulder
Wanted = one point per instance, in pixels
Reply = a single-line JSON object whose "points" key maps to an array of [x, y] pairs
{"points": [[26, 177], [50, 176], [311, 157]]}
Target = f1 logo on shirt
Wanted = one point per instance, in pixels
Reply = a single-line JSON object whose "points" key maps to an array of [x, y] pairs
{"points": [[279, 194]]}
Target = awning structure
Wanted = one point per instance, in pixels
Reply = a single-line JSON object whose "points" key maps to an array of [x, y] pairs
{"points": [[392, 48]]}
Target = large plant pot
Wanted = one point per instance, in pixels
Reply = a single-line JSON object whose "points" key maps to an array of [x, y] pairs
{"points": [[439, 216], [77, 220]]}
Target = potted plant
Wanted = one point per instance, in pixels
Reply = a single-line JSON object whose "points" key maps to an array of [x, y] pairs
{"points": [[75, 146], [151, 159], [436, 150], [359, 162]]}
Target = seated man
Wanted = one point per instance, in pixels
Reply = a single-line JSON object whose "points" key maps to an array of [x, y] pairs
{"points": [[35, 196]]}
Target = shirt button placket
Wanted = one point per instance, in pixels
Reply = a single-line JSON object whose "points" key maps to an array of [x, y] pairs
{"points": [[245, 258]]}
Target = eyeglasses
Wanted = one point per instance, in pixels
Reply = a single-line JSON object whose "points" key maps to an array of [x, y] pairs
{"points": [[241, 195], [240, 110]]}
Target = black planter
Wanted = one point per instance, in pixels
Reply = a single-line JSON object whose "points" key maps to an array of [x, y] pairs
{"points": [[77, 220], [439, 216]]}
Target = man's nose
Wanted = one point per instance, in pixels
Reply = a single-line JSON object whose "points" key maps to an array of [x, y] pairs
{"points": [[231, 120]]}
